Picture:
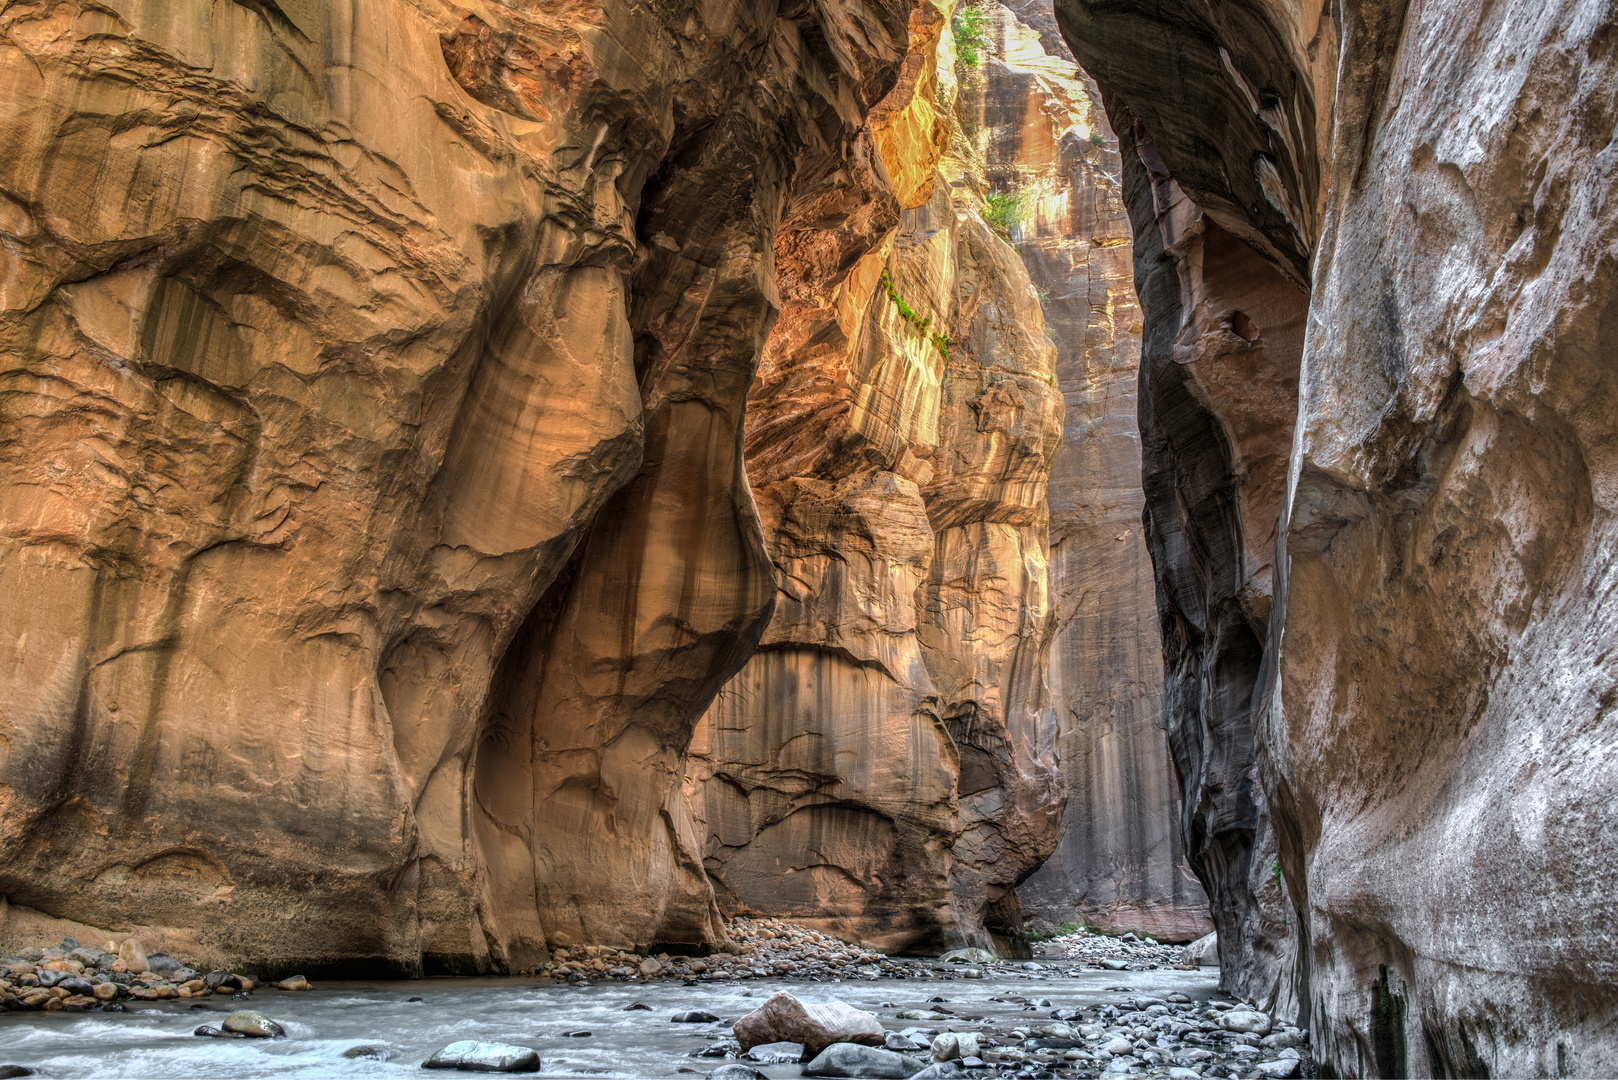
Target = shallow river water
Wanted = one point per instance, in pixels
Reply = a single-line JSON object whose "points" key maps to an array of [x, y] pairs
{"points": [[157, 1039]]}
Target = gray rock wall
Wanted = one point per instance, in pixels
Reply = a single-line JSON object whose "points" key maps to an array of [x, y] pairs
{"points": [[1384, 547]]}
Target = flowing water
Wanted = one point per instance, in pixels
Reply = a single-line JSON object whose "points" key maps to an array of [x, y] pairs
{"points": [[156, 1040]]}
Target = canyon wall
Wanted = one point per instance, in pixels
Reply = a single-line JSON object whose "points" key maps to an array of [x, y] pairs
{"points": [[373, 521], [1375, 251], [884, 767], [1046, 142]]}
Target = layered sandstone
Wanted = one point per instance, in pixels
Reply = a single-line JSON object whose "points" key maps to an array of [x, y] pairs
{"points": [[884, 765], [1406, 700], [373, 522], [1045, 140]]}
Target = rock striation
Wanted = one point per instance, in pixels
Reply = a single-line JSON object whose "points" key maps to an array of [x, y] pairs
{"points": [[1374, 249], [885, 764], [373, 517], [1046, 143]]}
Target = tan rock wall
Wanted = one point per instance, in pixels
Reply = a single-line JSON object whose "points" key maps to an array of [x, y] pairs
{"points": [[340, 343], [884, 767], [1045, 139]]}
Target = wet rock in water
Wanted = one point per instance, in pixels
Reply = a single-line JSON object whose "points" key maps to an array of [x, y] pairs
{"points": [[896, 1041], [1184, 1074], [736, 1072], [208, 1031], [941, 1070], [697, 1017], [921, 1014], [718, 1049], [1284, 1069], [639, 1005], [296, 982], [776, 1053], [1115, 965], [968, 956], [575, 1034], [9, 1071], [252, 1024], [858, 1062], [368, 1052], [468, 1055], [784, 1018], [1245, 1021]]}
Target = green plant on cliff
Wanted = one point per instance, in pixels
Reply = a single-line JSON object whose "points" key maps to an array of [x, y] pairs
{"points": [[1004, 211], [971, 42], [923, 323]]}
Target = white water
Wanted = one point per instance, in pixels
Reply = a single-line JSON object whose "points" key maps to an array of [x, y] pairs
{"points": [[157, 1040]]}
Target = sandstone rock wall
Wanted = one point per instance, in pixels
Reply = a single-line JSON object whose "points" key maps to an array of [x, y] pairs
{"points": [[1395, 734], [1046, 141], [373, 522], [884, 766]]}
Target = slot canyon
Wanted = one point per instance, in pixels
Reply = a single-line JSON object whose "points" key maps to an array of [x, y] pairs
{"points": [[490, 484]]}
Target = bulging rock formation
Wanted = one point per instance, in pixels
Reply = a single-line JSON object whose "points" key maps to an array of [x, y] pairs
{"points": [[1045, 142], [884, 766], [1375, 246], [373, 519]]}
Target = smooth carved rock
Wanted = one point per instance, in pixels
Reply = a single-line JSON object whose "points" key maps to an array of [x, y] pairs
{"points": [[1120, 862], [890, 744], [370, 455], [784, 1018], [1418, 677]]}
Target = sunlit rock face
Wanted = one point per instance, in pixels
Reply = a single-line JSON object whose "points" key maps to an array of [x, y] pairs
{"points": [[1394, 728], [373, 518], [1045, 140], [884, 767]]}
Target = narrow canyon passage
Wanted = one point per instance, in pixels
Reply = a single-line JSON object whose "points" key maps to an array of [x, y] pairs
{"points": [[501, 488]]}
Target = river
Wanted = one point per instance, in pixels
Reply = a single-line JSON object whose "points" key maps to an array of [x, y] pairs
{"points": [[156, 1040]]}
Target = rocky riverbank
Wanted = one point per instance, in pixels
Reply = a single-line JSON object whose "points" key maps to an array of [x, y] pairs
{"points": [[1126, 952], [775, 948], [1141, 1034], [73, 977]]}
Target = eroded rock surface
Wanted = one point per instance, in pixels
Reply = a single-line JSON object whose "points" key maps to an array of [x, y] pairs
{"points": [[1394, 732], [884, 765], [1046, 142], [374, 519]]}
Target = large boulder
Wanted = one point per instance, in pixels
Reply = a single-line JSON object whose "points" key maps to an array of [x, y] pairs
{"points": [[1204, 952], [784, 1018], [858, 1062], [472, 1056]]}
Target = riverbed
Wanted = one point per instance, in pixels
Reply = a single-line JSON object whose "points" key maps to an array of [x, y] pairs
{"points": [[156, 1040]]}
